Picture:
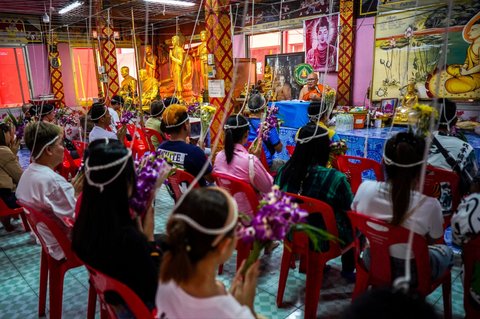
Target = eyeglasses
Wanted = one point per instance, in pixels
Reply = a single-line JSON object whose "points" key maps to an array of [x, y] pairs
{"points": [[310, 80]]}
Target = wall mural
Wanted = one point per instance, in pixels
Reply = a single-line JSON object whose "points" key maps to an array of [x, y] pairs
{"points": [[408, 47]]}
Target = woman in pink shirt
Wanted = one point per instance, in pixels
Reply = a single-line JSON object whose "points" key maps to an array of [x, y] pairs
{"points": [[235, 160]]}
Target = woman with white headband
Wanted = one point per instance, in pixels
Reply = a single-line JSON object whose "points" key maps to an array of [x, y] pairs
{"points": [[154, 121], [105, 235], [183, 155], [41, 186], [235, 160], [398, 201], [201, 235], [306, 174]]}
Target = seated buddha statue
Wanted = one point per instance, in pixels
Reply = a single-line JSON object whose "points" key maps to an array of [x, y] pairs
{"points": [[128, 87], [149, 88], [409, 100]]}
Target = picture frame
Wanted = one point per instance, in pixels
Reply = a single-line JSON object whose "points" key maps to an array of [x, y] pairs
{"points": [[323, 29], [388, 105], [284, 65]]}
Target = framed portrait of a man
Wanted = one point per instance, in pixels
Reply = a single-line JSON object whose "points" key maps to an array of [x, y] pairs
{"points": [[321, 42], [283, 82]]}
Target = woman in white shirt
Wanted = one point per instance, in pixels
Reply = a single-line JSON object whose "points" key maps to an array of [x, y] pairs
{"points": [[201, 236], [398, 202]]}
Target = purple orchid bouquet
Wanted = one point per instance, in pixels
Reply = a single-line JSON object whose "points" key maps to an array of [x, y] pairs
{"points": [[66, 116], [271, 121], [127, 117], [18, 122], [193, 110], [277, 216], [152, 170]]}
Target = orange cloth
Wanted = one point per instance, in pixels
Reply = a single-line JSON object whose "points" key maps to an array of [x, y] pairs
{"points": [[307, 96]]}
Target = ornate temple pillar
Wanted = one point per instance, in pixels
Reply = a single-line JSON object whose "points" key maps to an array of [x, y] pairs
{"points": [[218, 27], [55, 71], [108, 56], [345, 53]]}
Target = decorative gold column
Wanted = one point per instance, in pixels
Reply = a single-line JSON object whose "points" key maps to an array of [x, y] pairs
{"points": [[345, 53], [55, 71], [217, 20], [108, 54]]}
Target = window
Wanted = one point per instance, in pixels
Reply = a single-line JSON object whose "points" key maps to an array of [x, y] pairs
{"points": [[293, 41], [85, 77], [14, 87], [261, 45]]}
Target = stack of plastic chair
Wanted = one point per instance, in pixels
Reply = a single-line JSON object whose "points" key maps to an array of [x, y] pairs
{"points": [[149, 133], [244, 192], [381, 236], [315, 260], [354, 166], [7, 211], [471, 261], [104, 284], [52, 271], [179, 182]]}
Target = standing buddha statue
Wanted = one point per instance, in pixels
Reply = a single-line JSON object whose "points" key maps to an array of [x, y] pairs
{"points": [[177, 56], [150, 61], [202, 53]]}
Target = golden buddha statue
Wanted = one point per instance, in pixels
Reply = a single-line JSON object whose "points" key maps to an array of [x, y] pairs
{"points": [[128, 87], [409, 100], [150, 61], [149, 88], [177, 56], [267, 79], [202, 53], [187, 67]]}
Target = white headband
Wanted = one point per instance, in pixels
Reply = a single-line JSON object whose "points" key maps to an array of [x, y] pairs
{"points": [[105, 112], [163, 108], [220, 232], [89, 169], [389, 162], [45, 146], [178, 124], [232, 127], [309, 138]]}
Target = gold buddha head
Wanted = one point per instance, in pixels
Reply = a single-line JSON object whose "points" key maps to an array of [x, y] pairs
{"points": [[148, 49], [203, 35], [175, 40], [124, 71], [142, 74]]}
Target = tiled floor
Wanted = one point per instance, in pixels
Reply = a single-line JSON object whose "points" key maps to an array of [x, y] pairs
{"points": [[19, 275]]}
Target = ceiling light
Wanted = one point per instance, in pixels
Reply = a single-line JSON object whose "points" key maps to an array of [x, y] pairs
{"points": [[45, 18], [70, 7], [173, 2]]}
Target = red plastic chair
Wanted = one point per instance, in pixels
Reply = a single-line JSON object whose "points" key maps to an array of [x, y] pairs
{"points": [[241, 191], [149, 133], [179, 182], [139, 140], [69, 166], [103, 283], [354, 166], [7, 211], [444, 186], [315, 261], [471, 256], [381, 236], [80, 147], [53, 271], [290, 149]]}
